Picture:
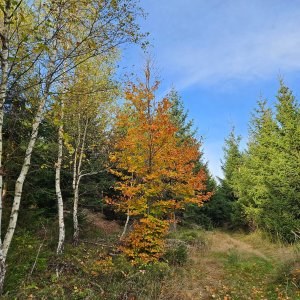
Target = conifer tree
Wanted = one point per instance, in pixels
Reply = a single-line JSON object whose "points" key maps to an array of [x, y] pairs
{"points": [[254, 172], [281, 211]]}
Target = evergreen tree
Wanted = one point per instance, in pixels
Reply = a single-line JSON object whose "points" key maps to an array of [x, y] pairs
{"points": [[282, 208], [231, 165], [267, 184], [180, 116], [251, 184], [226, 194]]}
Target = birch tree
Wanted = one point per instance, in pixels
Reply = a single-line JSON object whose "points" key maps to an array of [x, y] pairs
{"points": [[60, 204], [37, 36], [89, 106]]}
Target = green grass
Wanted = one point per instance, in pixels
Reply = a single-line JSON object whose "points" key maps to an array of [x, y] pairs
{"points": [[253, 277], [88, 271], [95, 270]]}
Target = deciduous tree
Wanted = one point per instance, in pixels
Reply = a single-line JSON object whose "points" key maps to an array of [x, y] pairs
{"points": [[155, 167]]}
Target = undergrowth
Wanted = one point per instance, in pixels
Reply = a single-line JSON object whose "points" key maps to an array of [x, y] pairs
{"points": [[96, 270]]}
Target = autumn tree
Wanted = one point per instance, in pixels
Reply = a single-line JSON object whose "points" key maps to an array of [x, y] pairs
{"points": [[155, 168]]}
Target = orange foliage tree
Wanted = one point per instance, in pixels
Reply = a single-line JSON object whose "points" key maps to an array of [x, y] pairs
{"points": [[156, 169]]}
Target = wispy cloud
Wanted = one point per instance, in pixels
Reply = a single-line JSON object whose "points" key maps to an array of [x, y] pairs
{"points": [[207, 42]]}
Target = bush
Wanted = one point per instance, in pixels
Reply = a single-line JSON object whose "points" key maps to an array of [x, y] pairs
{"points": [[192, 237], [177, 255]]}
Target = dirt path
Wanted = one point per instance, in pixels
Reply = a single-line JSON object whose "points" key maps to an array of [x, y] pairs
{"points": [[205, 274]]}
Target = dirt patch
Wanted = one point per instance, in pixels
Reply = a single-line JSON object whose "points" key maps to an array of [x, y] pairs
{"points": [[98, 220], [205, 277], [200, 280]]}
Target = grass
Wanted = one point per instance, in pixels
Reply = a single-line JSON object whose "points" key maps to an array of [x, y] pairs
{"points": [[89, 271], [260, 273], [200, 265]]}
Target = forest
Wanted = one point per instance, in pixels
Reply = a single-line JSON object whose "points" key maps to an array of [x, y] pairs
{"points": [[104, 189]]}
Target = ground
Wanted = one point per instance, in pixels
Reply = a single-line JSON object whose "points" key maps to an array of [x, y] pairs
{"points": [[218, 265], [236, 266]]}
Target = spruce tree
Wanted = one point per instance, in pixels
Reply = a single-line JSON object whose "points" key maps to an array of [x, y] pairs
{"points": [[282, 209], [253, 178]]}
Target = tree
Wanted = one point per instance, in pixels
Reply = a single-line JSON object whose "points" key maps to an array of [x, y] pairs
{"points": [[89, 104], [255, 169], [281, 210], [179, 117], [231, 164], [227, 192], [155, 168], [39, 58]]}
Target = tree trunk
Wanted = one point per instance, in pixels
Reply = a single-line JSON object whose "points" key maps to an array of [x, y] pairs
{"points": [[3, 93], [174, 221], [22, 176], [4, 192], [75, 213], [60, 203], [125, 226], [2, 271], [76, 180]]}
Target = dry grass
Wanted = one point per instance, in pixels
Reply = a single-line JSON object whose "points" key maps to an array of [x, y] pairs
{"points": [[98, 220], [234, 266]]}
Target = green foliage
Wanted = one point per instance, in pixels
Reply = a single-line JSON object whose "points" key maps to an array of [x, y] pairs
{"points": [[264, 181], [177, 255], [221, 210], [214, 213], [86, 271], [180, 117], [192, 237]]}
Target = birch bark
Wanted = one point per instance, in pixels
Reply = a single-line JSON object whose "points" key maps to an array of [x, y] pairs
{"points": [[22, 176], [60, 203], [76, 181], [3, 92]]}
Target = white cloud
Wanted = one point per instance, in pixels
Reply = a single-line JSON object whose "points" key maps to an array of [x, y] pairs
{"points": [[201, 43]]}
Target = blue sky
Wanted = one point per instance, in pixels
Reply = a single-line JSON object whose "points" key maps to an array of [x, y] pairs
{"points": [[221, 55]]}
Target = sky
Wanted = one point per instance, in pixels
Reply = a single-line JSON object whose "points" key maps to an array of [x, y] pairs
{"points": [[221, 56]]}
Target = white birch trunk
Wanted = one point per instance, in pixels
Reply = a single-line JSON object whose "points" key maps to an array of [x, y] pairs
{"points": [[27, 160], [3, 94], [60, 203], [22, 176], [76, 182], [75, 213], [125, 226]]}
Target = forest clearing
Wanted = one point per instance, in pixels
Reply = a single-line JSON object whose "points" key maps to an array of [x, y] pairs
{"points": [[123, 177]]}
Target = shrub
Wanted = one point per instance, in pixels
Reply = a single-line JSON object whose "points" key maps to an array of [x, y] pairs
{"points": [[192, 237], [177, 255]]}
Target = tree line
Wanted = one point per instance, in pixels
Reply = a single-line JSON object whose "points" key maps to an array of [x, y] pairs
{"points": [[261, 184], [57, 64]]}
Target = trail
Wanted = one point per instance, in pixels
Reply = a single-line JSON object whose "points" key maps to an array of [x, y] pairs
{"points": [[205, 274], [223, 242]]}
